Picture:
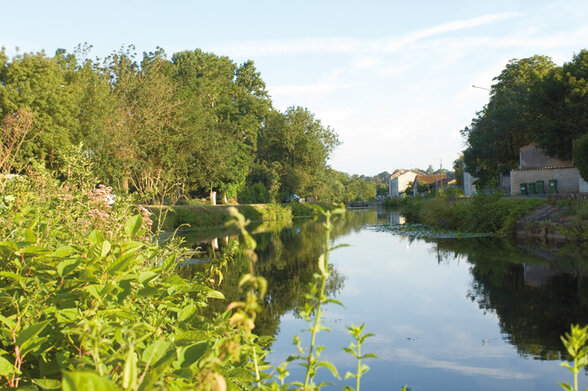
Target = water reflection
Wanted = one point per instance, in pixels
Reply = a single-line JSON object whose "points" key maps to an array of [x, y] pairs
{"points": [[287, 258], [445, 312]]}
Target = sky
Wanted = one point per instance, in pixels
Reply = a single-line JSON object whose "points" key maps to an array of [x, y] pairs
{"points": [[392, 78]]}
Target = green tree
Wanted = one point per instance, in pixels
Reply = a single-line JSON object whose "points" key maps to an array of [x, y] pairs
{"points": [[302, 146], [506, 124], [562, 107], [36, 82], [224, 106]]}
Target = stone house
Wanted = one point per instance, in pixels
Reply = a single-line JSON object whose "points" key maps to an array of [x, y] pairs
{"points": [[536, 169]]}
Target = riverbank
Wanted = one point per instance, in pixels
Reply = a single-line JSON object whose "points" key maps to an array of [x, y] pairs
{"points": [[209, 216], [559, 219], [483, 213]]}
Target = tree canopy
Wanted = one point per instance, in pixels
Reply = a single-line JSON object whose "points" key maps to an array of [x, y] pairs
{"points": [[195, 122]]}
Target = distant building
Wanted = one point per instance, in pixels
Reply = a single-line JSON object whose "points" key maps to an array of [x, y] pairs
{"points": [[434, 179], [399, 181], [469, 188], [537, 171]]}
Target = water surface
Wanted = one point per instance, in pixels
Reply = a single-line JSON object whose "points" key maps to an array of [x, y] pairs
{"points": [[467, 314]]}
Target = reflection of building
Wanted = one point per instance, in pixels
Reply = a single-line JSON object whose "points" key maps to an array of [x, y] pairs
{"points": [[396, 218], [399, 181], [538, 275], [538, 168]]}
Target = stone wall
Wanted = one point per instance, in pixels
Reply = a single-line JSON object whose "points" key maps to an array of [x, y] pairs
{"points": [[567, 179]]}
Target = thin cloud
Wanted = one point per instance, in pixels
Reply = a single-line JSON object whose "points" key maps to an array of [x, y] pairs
{"points": [[353, 45], [309, 89]]}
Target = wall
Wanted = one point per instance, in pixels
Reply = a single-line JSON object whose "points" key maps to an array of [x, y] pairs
{"points": [[533, 157], [398, 185], [468, 184], [583, 185], [567, 179]]}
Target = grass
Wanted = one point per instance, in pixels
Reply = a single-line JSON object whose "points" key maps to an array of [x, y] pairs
{"points": [[482, 213]]}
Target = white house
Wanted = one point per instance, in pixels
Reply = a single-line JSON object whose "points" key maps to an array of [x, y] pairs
{"points": [[399, 181]]}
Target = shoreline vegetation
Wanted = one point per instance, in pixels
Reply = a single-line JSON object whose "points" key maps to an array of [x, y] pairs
{"points": [[495, 215], [217, 216], [90, 301]]}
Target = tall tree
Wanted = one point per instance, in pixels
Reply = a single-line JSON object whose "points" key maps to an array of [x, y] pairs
{"points": [[300, 144], [562, 107], [506, 122], [225, 106], [36, 82]]}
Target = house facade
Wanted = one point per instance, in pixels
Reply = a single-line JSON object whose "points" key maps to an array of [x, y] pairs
{"points": [[539, 170], [399, 181]]}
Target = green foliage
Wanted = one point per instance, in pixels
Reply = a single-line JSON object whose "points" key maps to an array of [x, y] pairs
{"points": [[560, 106], [355, 350], [575, 343], [85, 292], [297, 146], [255, 194], [482, 213], [508, 121], [580, 154]]}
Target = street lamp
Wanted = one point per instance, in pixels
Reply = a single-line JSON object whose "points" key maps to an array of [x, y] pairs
{"points": [[482, 88], [487, 89]]}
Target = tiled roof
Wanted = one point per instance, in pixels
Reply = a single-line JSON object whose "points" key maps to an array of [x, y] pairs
{"points": [[543, 168], [422, 178]]}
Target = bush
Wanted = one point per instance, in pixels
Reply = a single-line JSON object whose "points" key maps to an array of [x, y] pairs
{"points": [[255, 194], [482, 213], [87, 298]]}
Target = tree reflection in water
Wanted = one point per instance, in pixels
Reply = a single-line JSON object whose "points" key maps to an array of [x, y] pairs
{"points": [[535, 300], [287, 258]]}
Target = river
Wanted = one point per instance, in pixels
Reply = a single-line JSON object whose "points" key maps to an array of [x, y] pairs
{"points": [[448, 314]]}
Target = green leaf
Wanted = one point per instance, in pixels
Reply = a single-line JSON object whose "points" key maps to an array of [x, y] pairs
{"points": [[321, 264], [93, 290], [67, 266], [169, 263], [30, 236], [348, 375], [8, 322], [6, 367], [190, 354], [330, 367], [158, 352], [130, 371], [63, 251], [565, 386], [105, 249], [363, 369], [161, 354], [121, 263], [12, 276], [133, 225], [146, 276], [187, 312], [95, 237], [87, 381], [215, 294], [33, 250], [30, 332], [48, 384]]}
